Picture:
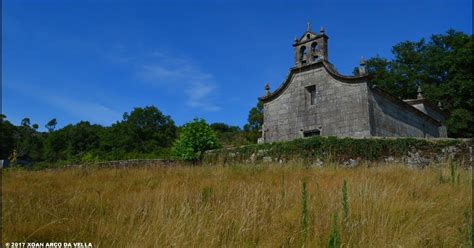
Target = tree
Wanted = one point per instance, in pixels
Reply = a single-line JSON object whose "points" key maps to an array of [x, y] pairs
{"points": [[51, 125], [254, 122], [25, 122], [229, 135], [194, 139], [224, 128], [442, 66], [144, 130], [28, 142], [7, 137], [55, 146]]}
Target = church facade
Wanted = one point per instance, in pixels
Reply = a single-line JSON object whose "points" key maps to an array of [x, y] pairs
{"points": [[315, 99]]}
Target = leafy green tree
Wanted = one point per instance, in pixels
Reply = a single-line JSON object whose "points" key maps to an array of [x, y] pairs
{"points": [[55, 146], [72, 142], [442, 66], [194, 139], [224, 128], [25, 122], [150, 128], [51, 125], [28, 142], [81, 138], [7, 137], [254, 122], [144, 130], [229, 135]]}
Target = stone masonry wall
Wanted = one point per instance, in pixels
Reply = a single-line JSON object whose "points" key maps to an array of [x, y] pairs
{"points": [[390, 119], [340, 109]]}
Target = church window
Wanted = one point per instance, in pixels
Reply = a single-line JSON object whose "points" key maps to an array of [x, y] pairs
{"points": [[314, 47], [312, 94]]}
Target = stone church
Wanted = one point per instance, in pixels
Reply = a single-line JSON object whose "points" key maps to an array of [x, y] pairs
{"points": [[314, 99]]}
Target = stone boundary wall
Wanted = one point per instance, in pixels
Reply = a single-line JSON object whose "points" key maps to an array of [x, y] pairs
{"points": [[415, 152]]}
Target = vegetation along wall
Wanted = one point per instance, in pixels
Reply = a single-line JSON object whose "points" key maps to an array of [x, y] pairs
{"points": [[349, 151]]}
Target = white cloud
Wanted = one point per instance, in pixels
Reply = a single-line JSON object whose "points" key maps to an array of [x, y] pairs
{"points": [[198, 94], [180, 73], [95, 112]]}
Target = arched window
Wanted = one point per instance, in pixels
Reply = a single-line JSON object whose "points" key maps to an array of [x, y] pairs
{"points": [[314, 47], [303, 53], [314, 50]]}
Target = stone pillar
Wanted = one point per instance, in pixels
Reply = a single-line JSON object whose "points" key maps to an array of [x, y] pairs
{"points": [[362, 67]]}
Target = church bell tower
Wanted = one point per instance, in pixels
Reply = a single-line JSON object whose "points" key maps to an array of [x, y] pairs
{"points": [[311, 47]]}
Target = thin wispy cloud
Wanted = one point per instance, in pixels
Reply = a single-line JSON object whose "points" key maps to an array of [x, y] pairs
{"points": [[180, 73], [84, 110]]}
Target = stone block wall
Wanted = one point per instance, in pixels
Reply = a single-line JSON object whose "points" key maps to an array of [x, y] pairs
{"points": [[396, 120], [318, 151], [340, 108]]}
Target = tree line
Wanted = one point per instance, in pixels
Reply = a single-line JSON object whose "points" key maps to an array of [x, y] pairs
{"points": [[142, 133]]}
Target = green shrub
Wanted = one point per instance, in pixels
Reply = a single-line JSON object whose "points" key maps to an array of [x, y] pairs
{"points": [[195, 138]]}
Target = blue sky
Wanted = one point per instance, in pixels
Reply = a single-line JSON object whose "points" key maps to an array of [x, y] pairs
{"points": [[95, 60]]}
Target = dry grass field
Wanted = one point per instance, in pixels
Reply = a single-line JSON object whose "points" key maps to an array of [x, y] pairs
{"points": [[240, 206]]}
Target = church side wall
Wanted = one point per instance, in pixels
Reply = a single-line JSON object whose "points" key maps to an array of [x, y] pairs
{"points": [[340, 108], [391, 119]]}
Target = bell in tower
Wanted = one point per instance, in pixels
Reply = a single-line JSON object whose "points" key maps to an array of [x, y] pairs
{"points": [[310, 47]]}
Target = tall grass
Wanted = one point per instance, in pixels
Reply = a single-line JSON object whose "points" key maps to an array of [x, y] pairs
{"points": [[334, 240], [345, 203], [390, 206], [304, 212]]}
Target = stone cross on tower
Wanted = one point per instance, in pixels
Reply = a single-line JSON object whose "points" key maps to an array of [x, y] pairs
{"points": [[308, 27]]}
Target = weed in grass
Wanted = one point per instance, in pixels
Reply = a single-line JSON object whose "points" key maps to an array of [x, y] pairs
{"points": [[469, 233], [304, 212], [440, 175], [334, 240], [453, 168], [206, 194], [283, 189], [345, 203]]}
